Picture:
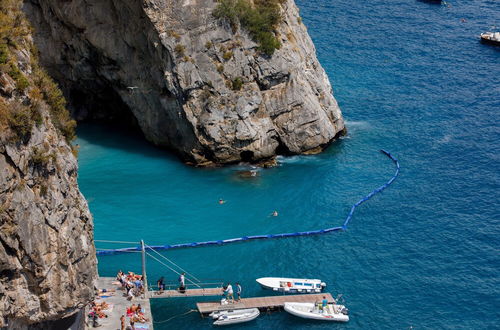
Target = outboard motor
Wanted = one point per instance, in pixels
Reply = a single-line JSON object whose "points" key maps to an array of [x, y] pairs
{"points": [[345, 311]]}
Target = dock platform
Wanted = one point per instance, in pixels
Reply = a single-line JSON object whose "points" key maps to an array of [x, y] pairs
{"points": [[202, 292], [262, 303], [119, 304]]}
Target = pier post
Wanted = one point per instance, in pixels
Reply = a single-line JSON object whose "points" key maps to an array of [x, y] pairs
{"points": [[143, 252]]}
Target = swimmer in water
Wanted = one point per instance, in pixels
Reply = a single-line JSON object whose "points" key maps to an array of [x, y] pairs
{"points": [[221, 201], [275, 213]]}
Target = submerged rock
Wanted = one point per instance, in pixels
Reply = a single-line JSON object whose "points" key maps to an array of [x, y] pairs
{"points": [[190, 82], [247, 174]]}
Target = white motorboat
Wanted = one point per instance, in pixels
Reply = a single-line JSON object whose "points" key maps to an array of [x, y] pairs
{"points": [[331, 312], [234, 316], [283, 284], [491, 38]]}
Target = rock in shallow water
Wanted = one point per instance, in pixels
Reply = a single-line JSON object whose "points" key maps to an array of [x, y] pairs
{"points": [[173, 66]]}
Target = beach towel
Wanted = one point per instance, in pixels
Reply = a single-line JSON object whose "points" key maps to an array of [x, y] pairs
{"points": [[141, 326]]}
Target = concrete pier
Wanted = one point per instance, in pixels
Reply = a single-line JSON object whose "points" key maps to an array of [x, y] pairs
{"points": [[120, 304], [262, 303]]}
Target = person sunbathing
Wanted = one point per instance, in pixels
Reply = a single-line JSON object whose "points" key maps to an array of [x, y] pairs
{"points": [[98, 311], [103, 305], [133, 308], [139, 318]]}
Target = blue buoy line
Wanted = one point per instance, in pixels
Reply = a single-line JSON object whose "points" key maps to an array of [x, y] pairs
{"points": [[256, 237]]}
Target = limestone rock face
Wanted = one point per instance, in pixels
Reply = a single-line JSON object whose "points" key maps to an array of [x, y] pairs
{"points": [[47, 254], [171, 64]]}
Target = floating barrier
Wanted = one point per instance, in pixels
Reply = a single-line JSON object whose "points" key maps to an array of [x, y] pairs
{"points": [[269, 236]]}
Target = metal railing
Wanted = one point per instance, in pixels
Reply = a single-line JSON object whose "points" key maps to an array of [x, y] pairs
{"points": [[190, 290], [175, 286]]}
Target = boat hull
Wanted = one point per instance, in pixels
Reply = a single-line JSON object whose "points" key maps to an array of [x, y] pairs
{"points": [[307, 311], [491, 38], [490, 42]]}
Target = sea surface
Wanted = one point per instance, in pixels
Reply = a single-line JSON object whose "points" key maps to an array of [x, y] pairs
{"points": [[410, 77]]}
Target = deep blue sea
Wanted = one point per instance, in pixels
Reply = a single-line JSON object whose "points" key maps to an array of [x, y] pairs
{"points": [[410, 77]]}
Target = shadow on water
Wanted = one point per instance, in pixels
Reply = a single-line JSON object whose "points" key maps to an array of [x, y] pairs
{"points": [[432, 2], [130, 140], [133, 141]]}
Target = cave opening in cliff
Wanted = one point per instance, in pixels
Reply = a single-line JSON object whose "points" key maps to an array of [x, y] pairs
{"points": [[282, 149], [101, 105], [247, 156]]}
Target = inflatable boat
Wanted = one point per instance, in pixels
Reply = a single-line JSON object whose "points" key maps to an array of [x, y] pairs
{"points": [[234, 316]]}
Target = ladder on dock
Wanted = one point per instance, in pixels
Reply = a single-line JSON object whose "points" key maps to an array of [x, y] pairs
{"points": [[262, 303]]}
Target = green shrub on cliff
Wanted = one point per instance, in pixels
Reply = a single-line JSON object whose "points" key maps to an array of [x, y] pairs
{"points": [[227, 55], [179, 50], [4, 53], [237, 83], [19, 118], [15, 34], [57, 104], [21, 82], [259, 18]]}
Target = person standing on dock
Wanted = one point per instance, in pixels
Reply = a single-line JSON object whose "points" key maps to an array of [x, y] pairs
{"points": [[161, 285], [229, 293], [182, 283], [238, 291]]}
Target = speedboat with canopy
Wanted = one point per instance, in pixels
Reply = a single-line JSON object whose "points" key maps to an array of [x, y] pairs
{"points": [[292, 285]]}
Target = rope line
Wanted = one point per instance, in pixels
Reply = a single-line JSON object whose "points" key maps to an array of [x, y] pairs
{"points": [[282, 235], [107, 250], [173, 317], [118, 242], [164, 264], [173, 263]]}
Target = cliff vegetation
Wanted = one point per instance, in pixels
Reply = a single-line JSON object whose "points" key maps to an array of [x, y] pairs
{"points": [[18, 52], [260, 18]]}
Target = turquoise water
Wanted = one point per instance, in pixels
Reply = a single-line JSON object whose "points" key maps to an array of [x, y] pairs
{"points": [[410, 77]]}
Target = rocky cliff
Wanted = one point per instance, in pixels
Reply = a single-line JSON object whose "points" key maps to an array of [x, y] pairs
{"points": [[47, 256], [193, 82]]}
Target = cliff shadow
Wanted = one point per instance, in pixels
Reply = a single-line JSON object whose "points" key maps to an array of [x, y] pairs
{"points": [[122, 137]]}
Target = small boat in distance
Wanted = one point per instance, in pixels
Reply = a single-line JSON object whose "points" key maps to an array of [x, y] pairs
{"points": [[283, 284], [234, 316], [492, 38], [331, 312]]}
